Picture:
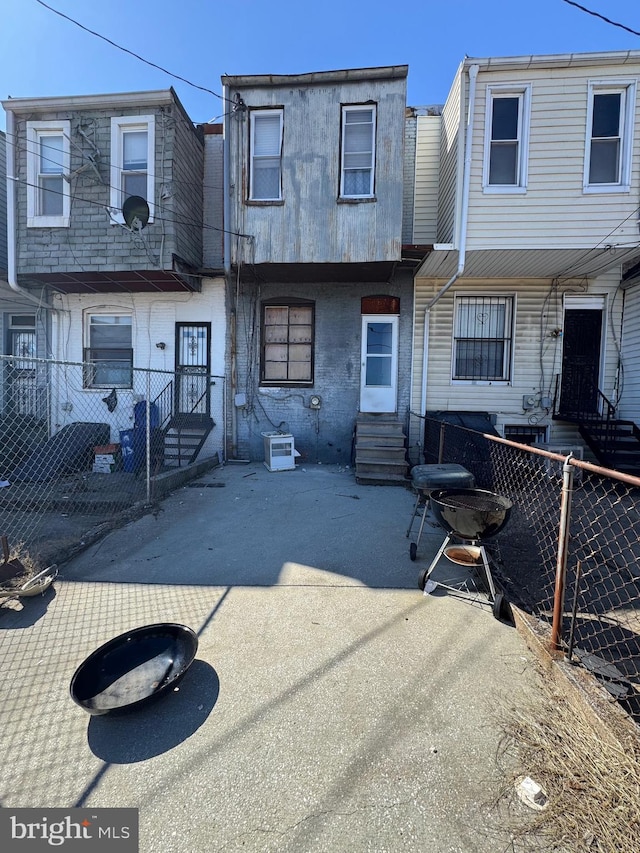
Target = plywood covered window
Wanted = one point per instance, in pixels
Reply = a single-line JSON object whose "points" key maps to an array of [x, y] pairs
{"points": [[483, 332], [287, 343], [609, 131]]}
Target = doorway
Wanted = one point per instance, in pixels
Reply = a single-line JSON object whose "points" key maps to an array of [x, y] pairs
{"points": [[379, 363], [581, 356], [193, 366]]}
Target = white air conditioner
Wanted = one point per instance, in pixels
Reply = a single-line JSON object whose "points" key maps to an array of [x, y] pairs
{"points": [[279, 451]]}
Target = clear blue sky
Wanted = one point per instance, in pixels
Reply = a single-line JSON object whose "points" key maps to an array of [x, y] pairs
{"points": [[42, 54]]}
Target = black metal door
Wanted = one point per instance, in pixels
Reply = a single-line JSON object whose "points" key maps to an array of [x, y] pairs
{"points": [[22, 373], [193, 366], [581, 361]]}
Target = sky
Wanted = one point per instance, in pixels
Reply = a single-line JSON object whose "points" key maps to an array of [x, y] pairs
{"points": [[44, 55]]}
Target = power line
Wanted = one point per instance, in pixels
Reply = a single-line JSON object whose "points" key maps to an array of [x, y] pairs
{"points": [[131, 53], [597, 15]]}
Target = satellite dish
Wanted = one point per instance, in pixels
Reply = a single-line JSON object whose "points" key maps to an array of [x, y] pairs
{"points": [[135, 211]]}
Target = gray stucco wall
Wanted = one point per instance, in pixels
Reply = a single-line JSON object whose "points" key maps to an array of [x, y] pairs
{"points": [[91, 243], [324, 435]]}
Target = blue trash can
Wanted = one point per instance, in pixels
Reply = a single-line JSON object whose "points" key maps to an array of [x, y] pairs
{"points": [[139, 442], [126, 448]]}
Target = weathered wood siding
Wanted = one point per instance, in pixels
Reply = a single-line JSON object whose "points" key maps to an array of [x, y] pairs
{"points": [[554, 211], [311, 224], [425, 220], [537, 355]]}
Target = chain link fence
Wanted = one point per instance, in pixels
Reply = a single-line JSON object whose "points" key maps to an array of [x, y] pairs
{"points": [[589, 571], [88, 444]]}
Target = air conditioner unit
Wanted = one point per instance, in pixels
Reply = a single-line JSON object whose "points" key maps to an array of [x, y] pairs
{"points": [[553, 467]]}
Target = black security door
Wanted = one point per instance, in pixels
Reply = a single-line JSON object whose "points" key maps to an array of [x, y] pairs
{"points": [[580, 362], [193, 366]]}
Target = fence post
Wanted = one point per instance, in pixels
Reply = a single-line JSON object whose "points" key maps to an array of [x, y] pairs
{"points": [[148, 431], [441, 444], [563, 545]]}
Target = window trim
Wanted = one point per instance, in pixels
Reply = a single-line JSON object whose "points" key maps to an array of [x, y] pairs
{"points": [[119, 126], [36, 130], [508, 360], [627, 88], [522, 91], [287, 303], [344, 110], [88, 385], [253, 114]]}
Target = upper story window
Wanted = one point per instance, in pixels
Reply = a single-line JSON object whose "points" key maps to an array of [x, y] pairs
{"points": [[357, 173], [108, 355], [610, 114], [507, 139], [287, 343], [132, 161], [48, 162], [265, 170], [482, 340]]}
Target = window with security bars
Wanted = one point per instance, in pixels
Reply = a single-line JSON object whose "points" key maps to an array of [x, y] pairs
{"points": [[109, 356], [265, 173], [358, 151], [526, 433], [287, 344], [483, 338]]}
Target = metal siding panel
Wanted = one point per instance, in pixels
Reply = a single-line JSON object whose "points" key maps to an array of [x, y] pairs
{"points": [[427, 179]]}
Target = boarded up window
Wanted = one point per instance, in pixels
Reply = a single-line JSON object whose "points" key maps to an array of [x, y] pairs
{"points": [[287, 352]]}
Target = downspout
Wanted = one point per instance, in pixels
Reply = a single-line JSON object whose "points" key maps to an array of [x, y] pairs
{"points": [[462, 243], [226, 224], [12, 278]]}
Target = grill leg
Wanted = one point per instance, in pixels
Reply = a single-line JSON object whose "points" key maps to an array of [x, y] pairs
{"points": [[487, 571], [435, 561], [415, 512]]}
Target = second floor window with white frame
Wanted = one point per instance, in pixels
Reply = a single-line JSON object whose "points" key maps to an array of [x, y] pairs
{"points": [[357, 175], [132, 161], [610, 114], [506, 143], [482, 339], [265, 170], [48, 168]]}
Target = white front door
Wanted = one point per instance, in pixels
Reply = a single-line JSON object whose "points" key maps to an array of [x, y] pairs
{"points": [[379, 363]]}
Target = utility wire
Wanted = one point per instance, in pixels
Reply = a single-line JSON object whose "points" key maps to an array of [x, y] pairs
{"points": [[131, 53], [597, 15]]}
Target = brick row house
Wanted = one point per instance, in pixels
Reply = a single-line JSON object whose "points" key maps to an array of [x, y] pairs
{"points": [[334, 265]]}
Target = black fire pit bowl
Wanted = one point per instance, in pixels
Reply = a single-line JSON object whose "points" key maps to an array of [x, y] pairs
{"points": [[472, 514], [134, 668]]}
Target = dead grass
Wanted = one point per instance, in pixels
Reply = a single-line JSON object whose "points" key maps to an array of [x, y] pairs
{"points": [[593, 785]]}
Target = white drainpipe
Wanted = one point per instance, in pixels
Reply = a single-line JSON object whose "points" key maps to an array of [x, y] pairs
{"points": [[11, 216], [464, 215]]}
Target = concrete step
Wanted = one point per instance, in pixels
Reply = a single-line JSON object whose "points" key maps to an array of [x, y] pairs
{"points": [[380, 467], [386, 454], [366, 479]]}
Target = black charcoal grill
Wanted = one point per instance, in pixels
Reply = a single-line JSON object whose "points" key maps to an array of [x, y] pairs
{"points": [[470, 516]]}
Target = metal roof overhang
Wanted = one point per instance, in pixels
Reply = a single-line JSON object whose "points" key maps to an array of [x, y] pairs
{"points": [[120, 281], [527, 263]]}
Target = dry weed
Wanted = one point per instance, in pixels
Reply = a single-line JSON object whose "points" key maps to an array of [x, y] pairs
{"points": [[593, 785]]}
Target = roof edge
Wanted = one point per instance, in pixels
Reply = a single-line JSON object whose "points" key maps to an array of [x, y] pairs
{"points": [[347, 75], [117, 99], [554, 60]]}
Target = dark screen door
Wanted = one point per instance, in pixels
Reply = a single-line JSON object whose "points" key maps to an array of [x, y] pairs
{"points": [[193, 365], [581, 361]]}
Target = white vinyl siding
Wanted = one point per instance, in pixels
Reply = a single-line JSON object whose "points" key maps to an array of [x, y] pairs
{"points": [[555, 212], [629, 404], [48, 167], [425, 216], [132, 162], [265, 171], [451, 151], [357, 177], [609, 139], [506, 138]]}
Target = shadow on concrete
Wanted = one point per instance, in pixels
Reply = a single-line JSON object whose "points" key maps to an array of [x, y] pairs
{"points": [[30, 610], [127, 738]]}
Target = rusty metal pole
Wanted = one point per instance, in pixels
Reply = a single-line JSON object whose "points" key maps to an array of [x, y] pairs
{"points": [[441, 444], [563, 545]]}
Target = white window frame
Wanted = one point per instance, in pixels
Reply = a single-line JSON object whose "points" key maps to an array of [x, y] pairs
{"points": [[523, 93], [119, 126], [627, 89], [115, 312], [36, 131], [252, 156], [510, 300], [374, 121]]}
